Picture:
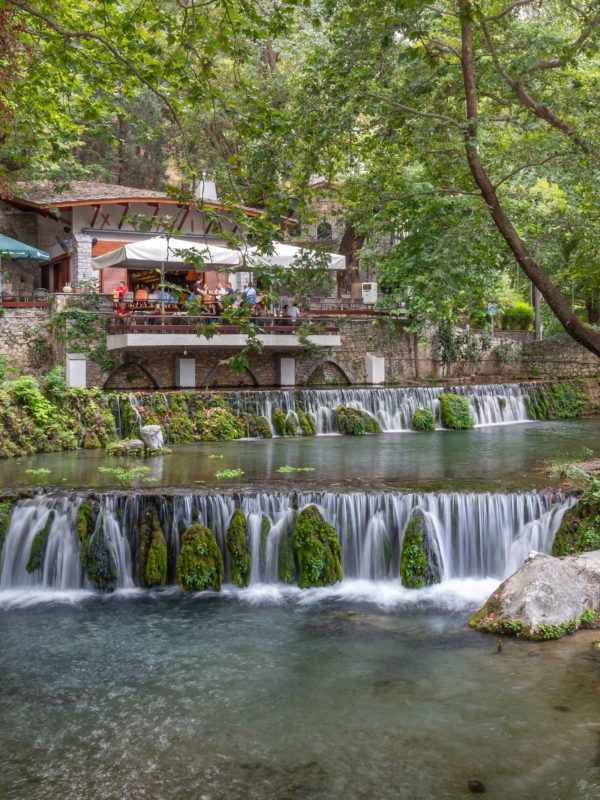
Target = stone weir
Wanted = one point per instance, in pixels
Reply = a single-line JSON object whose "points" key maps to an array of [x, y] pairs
{"points": [[324, 411], [198, 540]]}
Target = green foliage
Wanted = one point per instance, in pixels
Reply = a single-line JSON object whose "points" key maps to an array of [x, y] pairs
{"points": [[518, 317], [317, 550], [200, 563], [418, 566], [562, 400], [218, 424], [54, 386], [152, 551], [423, 420], [125, 475], [278, 420], [579, 532], [229, 473], [291, 429], [265, 530], [258, 427], [461, 347], [355, 422], [308, 425], [288, 469], [216, 455], [27, 393], [6, 507], [180, 428], [456, 413], [237, 544], [38, 546], [286, 563], [81, 327], [39, 473]]}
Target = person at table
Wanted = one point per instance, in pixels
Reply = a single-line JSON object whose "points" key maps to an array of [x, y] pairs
{"points": [[250, 295], [229, 290], [122, 310], [197, 289]]}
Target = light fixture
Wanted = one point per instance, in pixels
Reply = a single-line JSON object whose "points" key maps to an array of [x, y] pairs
{"points": [[185, 352]]}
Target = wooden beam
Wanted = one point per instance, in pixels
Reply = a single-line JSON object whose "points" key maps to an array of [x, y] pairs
{"points": [[95, 217], [125, 212]]}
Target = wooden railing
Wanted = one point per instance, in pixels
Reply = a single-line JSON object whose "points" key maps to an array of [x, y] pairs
{"points": [[157, 323], [25, 300]]}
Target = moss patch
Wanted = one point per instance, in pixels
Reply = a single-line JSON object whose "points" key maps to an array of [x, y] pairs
{"points": [[38, 546], [6, 507], [278, 420], [419, 565], [218, 424], [152, 551], [355, 422], [317, 550], [200, 563], [308, 426], [456, 413], [579, 532], [237, 545], [423, 420], [286, 563]]}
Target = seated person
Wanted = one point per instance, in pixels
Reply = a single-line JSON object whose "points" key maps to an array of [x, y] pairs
{"points": [[293, 313], [122, 310]]}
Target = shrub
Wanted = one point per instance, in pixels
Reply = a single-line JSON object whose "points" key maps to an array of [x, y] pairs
{"points": [[456, 413], [218, 424], [55, 386], [423, 420], [518, 317], [27, 393]]}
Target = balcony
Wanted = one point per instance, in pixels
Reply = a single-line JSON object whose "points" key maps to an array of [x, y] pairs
{"points": [[172, 331]]}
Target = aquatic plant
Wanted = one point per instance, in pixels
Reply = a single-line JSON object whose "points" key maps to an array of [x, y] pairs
{"points": [[456, 413], [317, 550], [216, 455], [287, 469], [423, 420], [237, 544], [200, 563], [229, 473], [125, 475], [39, 473]]}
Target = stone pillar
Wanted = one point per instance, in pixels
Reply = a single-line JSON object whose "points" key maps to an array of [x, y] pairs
{"points": [[81, 269], [76, 370], [287, 371], [185, 373], [375, 366]]}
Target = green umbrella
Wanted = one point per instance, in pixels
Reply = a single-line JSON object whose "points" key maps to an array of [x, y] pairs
{"points": [[11, 248]]}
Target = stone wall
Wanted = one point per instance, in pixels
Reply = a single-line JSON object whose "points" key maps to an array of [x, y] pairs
{"points": [[25, 339], [558, 358]]}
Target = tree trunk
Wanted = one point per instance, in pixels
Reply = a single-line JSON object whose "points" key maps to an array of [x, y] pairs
{"points": [[578, 330], [592, 306], [350, 245]]}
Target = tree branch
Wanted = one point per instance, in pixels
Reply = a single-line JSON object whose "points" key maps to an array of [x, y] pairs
{"points": [[508, 10], [528, 166], [416, 112]]}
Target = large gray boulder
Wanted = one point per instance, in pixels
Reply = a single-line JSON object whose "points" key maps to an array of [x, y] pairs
{"points": [[545, 599], [152, 436]]}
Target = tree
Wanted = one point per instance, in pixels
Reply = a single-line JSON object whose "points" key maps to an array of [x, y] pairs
{"points": [[455, 103]]}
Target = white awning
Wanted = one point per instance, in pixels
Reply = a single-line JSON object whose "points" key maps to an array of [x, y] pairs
{"points": [[159, 251], [286, 255]]}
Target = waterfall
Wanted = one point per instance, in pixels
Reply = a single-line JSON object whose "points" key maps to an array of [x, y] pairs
{"points": [[477, 535], [491, 404]]}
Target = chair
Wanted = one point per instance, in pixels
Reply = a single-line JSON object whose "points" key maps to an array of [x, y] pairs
{"points": [[141, 294]]}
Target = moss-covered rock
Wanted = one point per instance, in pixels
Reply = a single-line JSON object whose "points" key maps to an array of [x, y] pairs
{"points": [[579, 531], [218, 424], [561, 400], [200, 563], [6, 507], [308, 426], [317, 550], [291, 428], [419, 562], [423, 420], [258, 427], [237, 545], [265, 530], [38, 546], [355, 421], [456, 413], [278, 420], [286, 563], [95, 555], [152, 551]]}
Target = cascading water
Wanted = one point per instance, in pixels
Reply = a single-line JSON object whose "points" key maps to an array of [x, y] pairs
{"points": [[491, 404], [476, 535]]}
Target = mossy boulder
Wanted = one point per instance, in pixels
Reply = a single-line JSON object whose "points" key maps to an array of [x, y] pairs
{"points": [[239, 552], [95, 555], [258, 427], [456, 413], [265, 530], [286, 563], [291, 427], [355, 421], [278, 420], [152, 551], [6, 507], [308, 426], [419, 559], [317, 550], [423, 420], [38, 546], [579, 531], [200, 563], [218, 424]]}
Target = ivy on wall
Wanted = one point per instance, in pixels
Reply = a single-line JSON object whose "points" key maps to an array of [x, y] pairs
{"points": [[82, 327]]}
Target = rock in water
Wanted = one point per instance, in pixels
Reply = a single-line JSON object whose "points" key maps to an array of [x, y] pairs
{"points": [[476, 787], [317, 550], [152, 436], [545, 599], [419, 557], [200, 563]]}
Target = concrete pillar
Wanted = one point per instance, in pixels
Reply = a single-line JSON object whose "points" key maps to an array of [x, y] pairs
{"points": [[185, 373], [76, 371], [287, 371], [375, 368], [81, 269]]}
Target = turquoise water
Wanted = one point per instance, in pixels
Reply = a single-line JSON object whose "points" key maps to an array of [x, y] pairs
{"points": [[282, 696], [485, 458]]}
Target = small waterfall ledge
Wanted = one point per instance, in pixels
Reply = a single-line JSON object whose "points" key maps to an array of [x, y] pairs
{"points": [[478, 535]]}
